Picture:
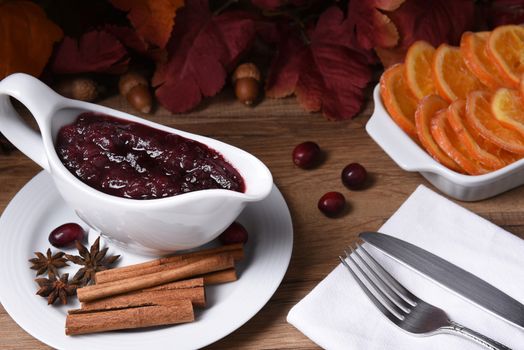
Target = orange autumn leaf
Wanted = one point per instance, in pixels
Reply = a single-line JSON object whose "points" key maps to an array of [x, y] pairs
{"points": [[153, 19], [26, 38]]}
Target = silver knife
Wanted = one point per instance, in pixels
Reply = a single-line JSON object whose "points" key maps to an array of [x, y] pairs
{"points": [[450, 276]]}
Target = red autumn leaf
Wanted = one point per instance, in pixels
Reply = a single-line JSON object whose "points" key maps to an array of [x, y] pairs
{"points": [[132, 41], [27, 37], [435, 21], [506, 12], [201, 51], [128, 37], [370, 26], [153, 19], [95, 52], [391, 56], [326, 74], [268, 4], [272, 5]]}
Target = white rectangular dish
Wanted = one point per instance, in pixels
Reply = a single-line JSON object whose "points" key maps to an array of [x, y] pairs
{"points": [[411, 157]]}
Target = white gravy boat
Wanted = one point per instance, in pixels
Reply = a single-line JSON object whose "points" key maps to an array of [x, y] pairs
{"points": [[153, 226]]}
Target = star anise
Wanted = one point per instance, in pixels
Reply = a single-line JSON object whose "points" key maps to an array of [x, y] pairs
{"points": [[48, 262], [93, 260], [55, 288]]}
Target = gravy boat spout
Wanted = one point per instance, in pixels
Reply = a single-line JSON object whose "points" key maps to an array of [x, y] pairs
{"points": [[153, 226]]}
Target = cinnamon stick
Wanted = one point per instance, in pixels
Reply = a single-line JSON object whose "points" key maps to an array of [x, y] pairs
{"points": [[206, 265], [116, 275], [138, 317], [147, 298], [191, 283], [108, 275], [218, 277]]}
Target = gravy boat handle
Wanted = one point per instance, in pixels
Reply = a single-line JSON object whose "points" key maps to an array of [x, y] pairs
{"points": [[40, 100]]}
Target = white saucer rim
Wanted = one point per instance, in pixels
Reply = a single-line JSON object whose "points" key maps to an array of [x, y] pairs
{"points": [[233, 325]]}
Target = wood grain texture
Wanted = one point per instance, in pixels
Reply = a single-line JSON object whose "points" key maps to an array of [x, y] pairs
{"points": [[270, 131]]}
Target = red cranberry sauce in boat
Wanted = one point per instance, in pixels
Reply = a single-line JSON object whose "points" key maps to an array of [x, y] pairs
{"points": [[132, 160]]}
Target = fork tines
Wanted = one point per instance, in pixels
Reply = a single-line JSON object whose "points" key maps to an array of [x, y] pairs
{"points": [[384, 291]]}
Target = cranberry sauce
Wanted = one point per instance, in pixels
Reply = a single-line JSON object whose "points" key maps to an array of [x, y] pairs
{"points": [[132, 160]]}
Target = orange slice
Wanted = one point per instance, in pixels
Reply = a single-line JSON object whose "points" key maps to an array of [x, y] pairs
{"points": [[487, 153], [453, 79], [417, 69], [449, 142], [505, 48], [522, 86], [398, 100], [472, 48], [508, 108], [427, 107], [480, 117]]}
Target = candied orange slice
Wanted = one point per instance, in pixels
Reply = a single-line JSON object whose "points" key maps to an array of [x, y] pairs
{"points": [[449, 142], [480, 117], [417, 69], [505, 48], [508, 108], [488, 154], [427, 107], [473, 50], [453, 79], [398, 99], [522, 86]]}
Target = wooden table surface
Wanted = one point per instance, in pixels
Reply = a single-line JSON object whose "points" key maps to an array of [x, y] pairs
{"points": [[270, 131]]}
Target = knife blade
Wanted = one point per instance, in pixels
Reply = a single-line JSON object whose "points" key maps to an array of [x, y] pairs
{"points": [[449, 276]]}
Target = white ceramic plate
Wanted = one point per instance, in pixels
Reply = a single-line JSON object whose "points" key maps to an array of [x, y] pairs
{"points": [[38, 208], [411, 157]]}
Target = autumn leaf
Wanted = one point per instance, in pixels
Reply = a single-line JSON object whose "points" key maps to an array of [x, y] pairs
{"points": [[268, 4], [326, 74], [435, 21], [370, 26], [153, 19], [96, 51], [202, 50], [128, 37], [26, 38], [134, 42], [77, 17], [391, 56], [272, 5], [506, 12]]}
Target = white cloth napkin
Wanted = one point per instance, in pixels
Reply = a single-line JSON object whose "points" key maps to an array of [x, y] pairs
{"points": [[336, 314]]}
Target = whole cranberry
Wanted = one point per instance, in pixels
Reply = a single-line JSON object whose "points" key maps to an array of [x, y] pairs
{"points": [[332, 204], [235, 233], [306, 155], [66, 234], [354, 176]]}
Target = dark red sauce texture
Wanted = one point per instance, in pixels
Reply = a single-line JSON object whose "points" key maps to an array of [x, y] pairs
{"points": [[131, 160]]}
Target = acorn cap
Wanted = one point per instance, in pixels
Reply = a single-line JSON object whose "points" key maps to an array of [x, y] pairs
{"points": [[246, 70]]}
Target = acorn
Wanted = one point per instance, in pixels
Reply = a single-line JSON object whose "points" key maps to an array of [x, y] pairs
{"points": [[135, 88], [79, 88], [246, 80]]}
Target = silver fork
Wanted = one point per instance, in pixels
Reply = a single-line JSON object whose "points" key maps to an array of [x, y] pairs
{"points": [[400, 306]]}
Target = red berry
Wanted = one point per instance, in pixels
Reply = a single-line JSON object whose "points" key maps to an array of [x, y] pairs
{"points": [[306, 155], [354, 176], [235, 233], [332, 204], [66, 234]]}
